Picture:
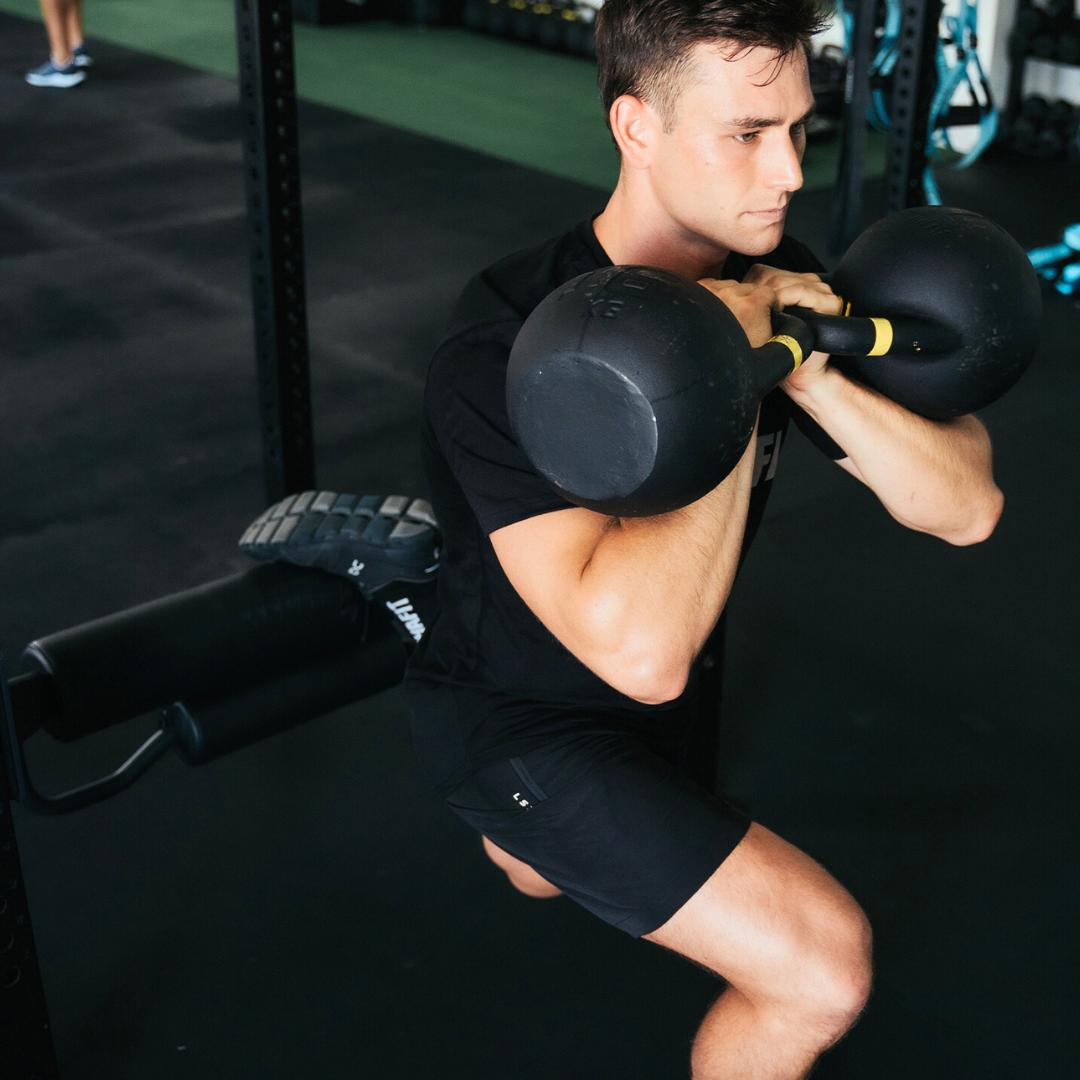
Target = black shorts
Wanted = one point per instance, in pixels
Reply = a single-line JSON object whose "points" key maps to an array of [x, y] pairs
{"points": [[597, 804]]}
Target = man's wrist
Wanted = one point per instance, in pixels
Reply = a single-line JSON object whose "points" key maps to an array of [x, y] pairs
{"points": [[819, 391]]}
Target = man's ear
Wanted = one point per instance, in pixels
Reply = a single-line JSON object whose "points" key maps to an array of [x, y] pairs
{"points": [[636, 128]]}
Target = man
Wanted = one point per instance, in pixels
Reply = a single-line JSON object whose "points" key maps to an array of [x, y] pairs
{"points": [[554, 695], [67, 55]]}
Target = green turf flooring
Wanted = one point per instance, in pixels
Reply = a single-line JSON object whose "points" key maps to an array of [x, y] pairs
{"points": [[517, 102]]}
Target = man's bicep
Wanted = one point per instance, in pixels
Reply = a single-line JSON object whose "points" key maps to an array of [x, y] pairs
{"points": [[544, 557]]}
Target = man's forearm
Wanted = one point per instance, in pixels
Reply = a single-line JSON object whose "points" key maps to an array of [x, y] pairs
{"points": [[655, 587], [933, 476], [634, 599]]}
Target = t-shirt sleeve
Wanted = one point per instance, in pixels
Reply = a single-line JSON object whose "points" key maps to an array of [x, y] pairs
{"points": [[466, 406]]}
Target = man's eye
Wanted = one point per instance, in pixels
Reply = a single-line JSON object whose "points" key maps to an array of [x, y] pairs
{"points": [[747, 137]]}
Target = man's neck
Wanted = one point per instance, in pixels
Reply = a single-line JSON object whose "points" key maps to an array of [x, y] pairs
{"points": [[635, 231]]}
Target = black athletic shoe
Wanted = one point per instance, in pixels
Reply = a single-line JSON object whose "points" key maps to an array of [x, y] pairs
{"points": [[372, 539]]}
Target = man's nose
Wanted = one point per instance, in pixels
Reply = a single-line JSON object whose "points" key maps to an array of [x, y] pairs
{"points": [[785, 165]]}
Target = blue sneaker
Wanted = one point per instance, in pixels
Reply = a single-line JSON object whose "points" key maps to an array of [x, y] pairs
{"points": [[81, 59], [51, 75]]}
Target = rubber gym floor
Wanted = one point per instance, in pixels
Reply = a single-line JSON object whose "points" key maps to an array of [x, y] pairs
{"points": [[902, 710]]}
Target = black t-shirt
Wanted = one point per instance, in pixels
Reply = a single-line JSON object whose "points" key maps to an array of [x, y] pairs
{"points": [[485, 638]]}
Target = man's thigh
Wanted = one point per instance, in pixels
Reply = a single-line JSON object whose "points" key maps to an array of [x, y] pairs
{"points": [[775, 924]]}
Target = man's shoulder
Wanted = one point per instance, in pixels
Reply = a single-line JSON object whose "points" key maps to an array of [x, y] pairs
{"points": [[498, 299]]}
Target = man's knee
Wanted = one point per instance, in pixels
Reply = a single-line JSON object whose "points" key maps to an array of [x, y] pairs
{"points": [[522, 876], [838, 985], [781, 931], [829, 983]]}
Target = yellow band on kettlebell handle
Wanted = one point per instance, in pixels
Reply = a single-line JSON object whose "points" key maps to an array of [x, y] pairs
{"points": [[882, 337], [793, 345]]}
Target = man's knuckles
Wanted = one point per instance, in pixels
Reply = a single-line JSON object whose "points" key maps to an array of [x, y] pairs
{"points": [[769, 275], [818, 297]]}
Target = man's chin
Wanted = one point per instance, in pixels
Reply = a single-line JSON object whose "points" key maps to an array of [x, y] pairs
{"points": [[762, 237]]}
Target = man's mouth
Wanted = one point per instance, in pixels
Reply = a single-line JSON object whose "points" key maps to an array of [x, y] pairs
{"points": [[769, 215]]}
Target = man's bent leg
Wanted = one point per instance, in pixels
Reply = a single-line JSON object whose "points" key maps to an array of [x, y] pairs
{"points": [[522, 876], [794, 948]]}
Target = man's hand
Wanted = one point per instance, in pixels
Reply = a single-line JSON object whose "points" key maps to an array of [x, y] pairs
{"points": [[802, 290], [805, 290], [752, 304]]}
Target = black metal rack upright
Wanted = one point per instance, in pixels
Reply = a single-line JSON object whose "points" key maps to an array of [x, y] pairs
{"points": [[264, 39], [846, 210], [914, 81], [26, 1046], [914, 84]]}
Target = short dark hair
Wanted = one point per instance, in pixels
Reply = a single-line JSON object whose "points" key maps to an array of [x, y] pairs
{"points": [[643, 46]]}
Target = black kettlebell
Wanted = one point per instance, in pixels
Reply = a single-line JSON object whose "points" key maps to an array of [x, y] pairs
{"points": [[634, 391]]}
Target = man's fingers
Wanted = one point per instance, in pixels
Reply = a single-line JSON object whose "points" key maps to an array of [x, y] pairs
{"points": [[719, 285], [766, 296], [758, 298], [750, 303], [760, 274], [803, 290], [818, 297], [741, 295]]}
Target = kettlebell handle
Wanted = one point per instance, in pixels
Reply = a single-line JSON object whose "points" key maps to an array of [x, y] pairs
{"points": [[798, 331], [852, 335]]}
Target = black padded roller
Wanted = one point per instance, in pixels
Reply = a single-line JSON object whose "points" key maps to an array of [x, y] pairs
{"points": [[210, 727], [205, 642]]}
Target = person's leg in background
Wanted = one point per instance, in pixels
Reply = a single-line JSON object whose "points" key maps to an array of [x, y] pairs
{"points": [[75, 33], [63, 25]]}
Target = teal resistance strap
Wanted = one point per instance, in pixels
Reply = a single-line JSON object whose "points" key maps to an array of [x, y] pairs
{"points": [[1059, 264], [881, 66], [964, 70], [958, 65]]}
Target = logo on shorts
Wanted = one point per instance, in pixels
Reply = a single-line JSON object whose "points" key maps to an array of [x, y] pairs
{"points": [[521, 800]]}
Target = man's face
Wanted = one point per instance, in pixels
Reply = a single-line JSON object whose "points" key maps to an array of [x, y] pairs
{"points": [[726, 170]]}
